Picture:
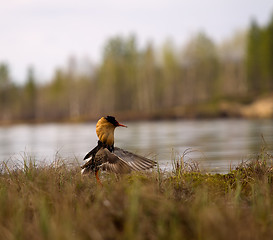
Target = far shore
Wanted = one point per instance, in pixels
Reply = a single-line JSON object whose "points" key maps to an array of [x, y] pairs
{"points": [[261, 108]]}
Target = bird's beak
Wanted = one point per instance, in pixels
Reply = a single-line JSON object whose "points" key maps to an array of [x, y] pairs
{"points": [[121, 125]]}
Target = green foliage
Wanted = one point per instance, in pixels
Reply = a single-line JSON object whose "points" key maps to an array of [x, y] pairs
{"points": [[30, 96], [118, 76], [4, 76], [4, 87], [136, 81], [259, 58], [201, 61]]}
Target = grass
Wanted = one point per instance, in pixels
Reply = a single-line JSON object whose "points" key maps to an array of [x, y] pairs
{"points": [[56, 202]]}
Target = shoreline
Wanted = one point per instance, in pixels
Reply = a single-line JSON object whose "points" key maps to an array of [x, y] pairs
{"points": [[261, 108]]}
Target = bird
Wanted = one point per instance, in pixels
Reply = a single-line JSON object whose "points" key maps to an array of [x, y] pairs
{"points": [[109, 158]]}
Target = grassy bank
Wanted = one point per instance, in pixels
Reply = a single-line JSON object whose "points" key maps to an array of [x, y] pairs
{"points": [[56, 202]]}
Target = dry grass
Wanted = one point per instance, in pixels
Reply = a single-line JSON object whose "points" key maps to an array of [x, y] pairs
{"points": [[56, 202]]}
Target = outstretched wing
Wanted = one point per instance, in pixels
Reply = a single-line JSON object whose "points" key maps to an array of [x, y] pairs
{"points": [[135, 161], [111, 162], [120, 161]]}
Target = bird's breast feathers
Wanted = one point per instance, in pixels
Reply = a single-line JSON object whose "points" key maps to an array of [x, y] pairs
{"points": [[105, 131], [106, 137]]}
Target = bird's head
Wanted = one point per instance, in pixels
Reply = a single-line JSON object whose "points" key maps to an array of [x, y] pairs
{"points": [[105, 129]]}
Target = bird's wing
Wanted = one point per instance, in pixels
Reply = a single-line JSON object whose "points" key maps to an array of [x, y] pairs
{"points": [[92, 152], [111, 162], [135, 161]]}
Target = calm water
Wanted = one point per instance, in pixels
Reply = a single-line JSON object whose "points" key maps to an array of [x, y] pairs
{"points": [[217, 144]]}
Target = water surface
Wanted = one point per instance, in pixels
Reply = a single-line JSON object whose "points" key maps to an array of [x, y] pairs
{"points": [[217, 144]]}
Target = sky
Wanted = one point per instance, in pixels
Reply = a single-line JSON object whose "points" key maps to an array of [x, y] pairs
{"points": [[43, 34]]}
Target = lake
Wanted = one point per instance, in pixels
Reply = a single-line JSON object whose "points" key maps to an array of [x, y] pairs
{"points": [[216, 145]]}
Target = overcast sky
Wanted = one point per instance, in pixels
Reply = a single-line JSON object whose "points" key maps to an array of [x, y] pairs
{"points": [[44, 33]]}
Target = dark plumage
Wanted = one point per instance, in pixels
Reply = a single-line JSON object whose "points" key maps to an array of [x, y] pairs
{"points": [[107, 157]]}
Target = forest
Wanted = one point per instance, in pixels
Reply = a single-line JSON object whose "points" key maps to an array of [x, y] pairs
{"points": [[147, 82]]}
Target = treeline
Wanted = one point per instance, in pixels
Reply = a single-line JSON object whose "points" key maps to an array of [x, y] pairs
{"points": [[144, 81], [260, 58]]}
